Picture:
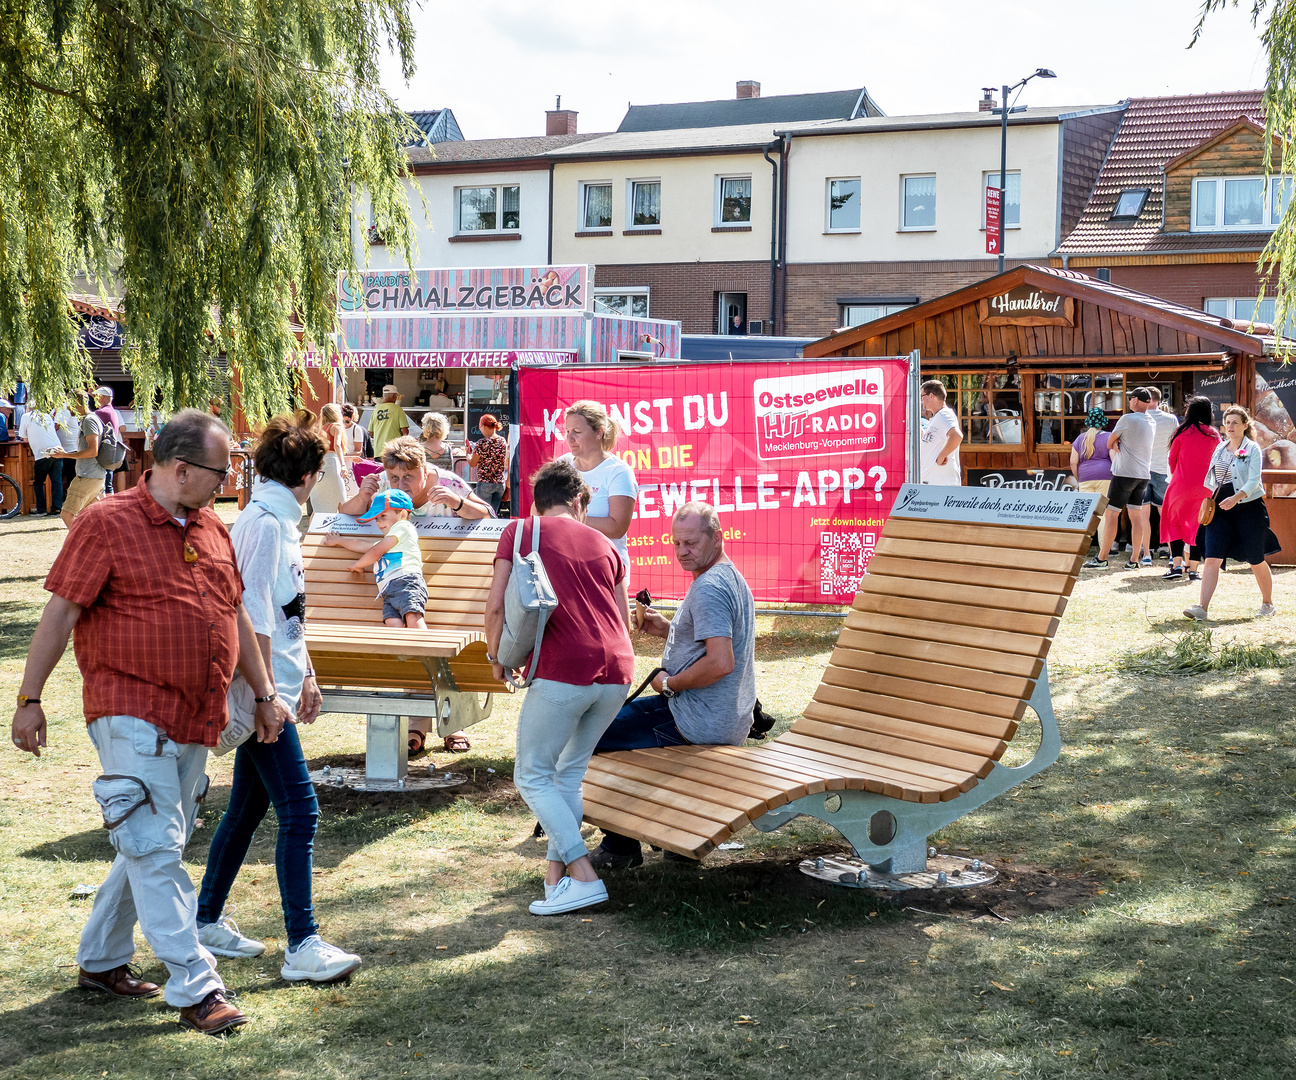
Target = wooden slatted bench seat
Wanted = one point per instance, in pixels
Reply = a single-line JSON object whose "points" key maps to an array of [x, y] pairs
{"points": [[392, 674], [941, 655]]}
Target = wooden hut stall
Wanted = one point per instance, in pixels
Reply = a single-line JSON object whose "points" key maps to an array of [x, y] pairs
{"points": [[1024, 355]]}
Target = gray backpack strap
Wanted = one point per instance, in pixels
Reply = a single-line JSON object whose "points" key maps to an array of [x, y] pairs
{"points": [[544, 611]]}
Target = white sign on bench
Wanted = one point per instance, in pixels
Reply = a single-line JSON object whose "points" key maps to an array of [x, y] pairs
{"points": [[996, 506], [449, 528]]}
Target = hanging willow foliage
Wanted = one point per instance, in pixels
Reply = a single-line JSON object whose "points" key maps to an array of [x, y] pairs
{"points": [[203, 159], [1277, 263]]}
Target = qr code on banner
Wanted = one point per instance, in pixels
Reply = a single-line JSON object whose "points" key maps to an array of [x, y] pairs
{"points": [[1079, 511], [843, 557]]}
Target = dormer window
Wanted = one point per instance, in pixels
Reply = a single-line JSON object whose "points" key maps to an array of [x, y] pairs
{"points": [[1238, 203], [1130, 204]]}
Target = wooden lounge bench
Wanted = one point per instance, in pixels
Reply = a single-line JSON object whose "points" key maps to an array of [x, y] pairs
{"points": [[942, 653], [391, 674]]}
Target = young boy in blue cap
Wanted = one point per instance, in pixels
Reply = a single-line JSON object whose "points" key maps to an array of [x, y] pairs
{"points": [[396, 558]]}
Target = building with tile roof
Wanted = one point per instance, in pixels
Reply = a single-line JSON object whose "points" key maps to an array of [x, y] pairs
{"points": [[1181, 208]]}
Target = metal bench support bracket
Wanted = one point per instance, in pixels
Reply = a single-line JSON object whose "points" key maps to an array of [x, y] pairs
{"points": [[891, 835]]}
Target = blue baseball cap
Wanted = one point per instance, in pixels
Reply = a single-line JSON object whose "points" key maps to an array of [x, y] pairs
{"points": [[391, 498]]}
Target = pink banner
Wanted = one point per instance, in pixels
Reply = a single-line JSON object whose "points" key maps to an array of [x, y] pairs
{"points": [[802, 460]]}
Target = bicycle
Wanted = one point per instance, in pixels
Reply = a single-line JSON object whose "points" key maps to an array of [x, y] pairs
{"points": [[10, 496]]}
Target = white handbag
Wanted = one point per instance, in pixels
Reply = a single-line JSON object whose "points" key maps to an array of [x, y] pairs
{"points": [[529, 600]]}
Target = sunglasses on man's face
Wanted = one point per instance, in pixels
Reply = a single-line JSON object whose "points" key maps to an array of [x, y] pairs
{"points": [[226, 472]]}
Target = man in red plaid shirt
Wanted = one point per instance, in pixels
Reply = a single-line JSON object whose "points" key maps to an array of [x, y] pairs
{"points": [[148, 582]]}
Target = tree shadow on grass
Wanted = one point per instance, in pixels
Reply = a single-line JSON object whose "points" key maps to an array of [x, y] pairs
{"points": [[18, 619]]}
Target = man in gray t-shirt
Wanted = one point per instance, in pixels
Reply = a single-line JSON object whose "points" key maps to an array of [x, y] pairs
{"points": [[1130, 445], [707, 689]]}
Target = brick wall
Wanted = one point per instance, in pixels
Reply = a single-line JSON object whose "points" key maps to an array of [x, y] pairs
{"points": [[687, 291], [1085, 142], [813, 289], [1189, 285]]}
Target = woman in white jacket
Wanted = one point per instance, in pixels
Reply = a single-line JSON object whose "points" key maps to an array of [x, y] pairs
{"points": [[268, 548], [1240, 528]]}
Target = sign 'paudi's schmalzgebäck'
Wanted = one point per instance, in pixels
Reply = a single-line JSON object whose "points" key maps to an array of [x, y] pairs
{"points": [[801, 460], [466, 291]]}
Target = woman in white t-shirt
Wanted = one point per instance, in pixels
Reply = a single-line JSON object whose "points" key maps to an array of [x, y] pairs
{"points": [[591, 435]]}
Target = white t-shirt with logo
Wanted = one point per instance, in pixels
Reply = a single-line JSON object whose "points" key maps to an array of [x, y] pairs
{"points": [[611, 476], [933, 441]]}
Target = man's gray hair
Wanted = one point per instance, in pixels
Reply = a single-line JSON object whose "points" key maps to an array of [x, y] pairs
{"points": [[186, 435], [703, 511]]}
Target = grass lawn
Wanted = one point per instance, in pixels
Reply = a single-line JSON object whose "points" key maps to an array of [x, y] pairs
{"points": [[1141, 927]]}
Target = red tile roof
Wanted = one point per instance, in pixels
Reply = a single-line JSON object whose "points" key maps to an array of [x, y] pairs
{"points": [[1153, 132]]}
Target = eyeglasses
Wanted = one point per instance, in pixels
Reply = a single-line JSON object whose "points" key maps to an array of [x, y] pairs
{"points": [[225, 472], [319, 476]]}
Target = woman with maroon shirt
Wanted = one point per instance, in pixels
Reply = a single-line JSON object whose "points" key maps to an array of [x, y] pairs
{"points": [[585, 667]]}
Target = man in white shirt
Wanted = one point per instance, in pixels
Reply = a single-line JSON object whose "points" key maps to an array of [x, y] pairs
{"points": [[1166, 425], [37, 429], [940, 438]]}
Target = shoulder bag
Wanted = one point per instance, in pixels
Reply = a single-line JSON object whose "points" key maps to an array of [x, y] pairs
{"points": [[1206, 512], [529, 600]]}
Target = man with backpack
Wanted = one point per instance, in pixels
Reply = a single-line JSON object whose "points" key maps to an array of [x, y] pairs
{"points": [[87, 487]]}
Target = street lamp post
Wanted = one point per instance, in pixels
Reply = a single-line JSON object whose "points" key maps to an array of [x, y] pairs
{"points": [[1003, 111]]}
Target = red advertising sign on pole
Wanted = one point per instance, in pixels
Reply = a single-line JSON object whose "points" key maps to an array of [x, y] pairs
{"points": [[993, 208], [802, 460]]}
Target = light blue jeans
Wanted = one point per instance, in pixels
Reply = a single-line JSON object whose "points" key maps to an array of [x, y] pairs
{"points": [[149, 795], [559, 727]]}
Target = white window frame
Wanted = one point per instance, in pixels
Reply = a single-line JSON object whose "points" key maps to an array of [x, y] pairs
{"points": [[630, 290], [1266, 202], [718, 216], [1241, 309], [913, 228], [985, 183], [580, 206], [889, 309], [629, 203], [499, 209], [828, 183]]}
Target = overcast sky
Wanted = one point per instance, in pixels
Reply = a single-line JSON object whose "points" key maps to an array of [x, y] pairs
{"points": [[500, 65]]}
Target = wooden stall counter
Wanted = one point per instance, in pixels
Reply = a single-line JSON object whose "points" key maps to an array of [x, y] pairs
{"points": [[1280, 500]]}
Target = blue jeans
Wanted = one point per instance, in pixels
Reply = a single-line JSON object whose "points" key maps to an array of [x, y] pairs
{"points": [[264, 773], [51, 469], [491, 494], [641, 724]]}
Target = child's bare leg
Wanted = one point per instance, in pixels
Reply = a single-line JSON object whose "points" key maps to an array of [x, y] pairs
{"points": [[414, 620], [395, 620]]}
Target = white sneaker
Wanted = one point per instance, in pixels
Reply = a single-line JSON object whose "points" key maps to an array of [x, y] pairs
{"points": [[570, 895], [317, 961], [1267, 610], [222, 937], [1197, 612]]}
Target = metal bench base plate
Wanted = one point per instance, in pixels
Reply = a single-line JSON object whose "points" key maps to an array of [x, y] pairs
{"points": [[942, 872], [356, 780]]}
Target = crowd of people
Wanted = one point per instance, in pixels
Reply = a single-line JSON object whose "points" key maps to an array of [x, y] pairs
{"points": [[1149, 461], [190, 641]]}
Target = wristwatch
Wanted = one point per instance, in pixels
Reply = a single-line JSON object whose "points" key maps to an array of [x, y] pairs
{"points": [[24, 701], [263, 700], [666, 691]]}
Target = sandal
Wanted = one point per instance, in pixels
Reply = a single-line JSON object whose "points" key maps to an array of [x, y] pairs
{"points": [[457, 743]]}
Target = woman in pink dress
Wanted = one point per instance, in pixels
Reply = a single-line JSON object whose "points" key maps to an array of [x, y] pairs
{"points": [[1191, 448]]}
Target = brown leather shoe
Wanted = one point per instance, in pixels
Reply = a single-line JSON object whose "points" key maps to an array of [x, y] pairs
{"points": [[212, 1016], [120, 982]]}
